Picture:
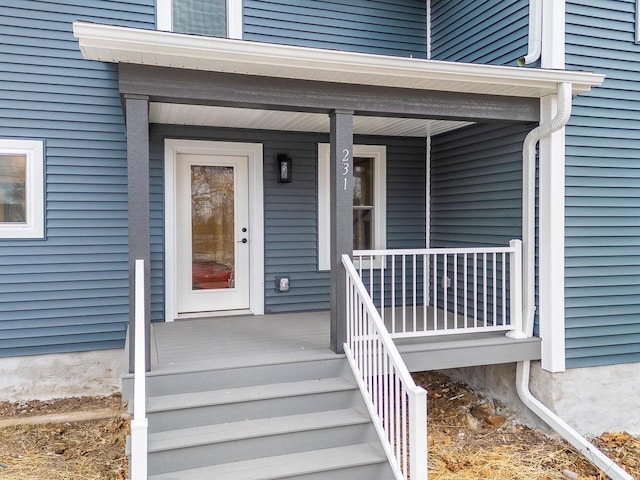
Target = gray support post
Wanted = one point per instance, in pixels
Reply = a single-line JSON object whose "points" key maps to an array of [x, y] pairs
{"points": [[137, 119], [341, 219]]}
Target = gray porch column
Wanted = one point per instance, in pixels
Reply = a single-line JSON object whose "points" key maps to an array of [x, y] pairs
{"points": [[341, 219], [137, 119]]}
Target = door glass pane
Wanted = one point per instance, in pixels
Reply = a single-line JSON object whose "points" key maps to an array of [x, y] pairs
{"points": [[13, 185], [212, 226], [201, 17]]}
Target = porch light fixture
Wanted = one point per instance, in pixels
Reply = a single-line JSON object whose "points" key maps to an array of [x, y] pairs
{"points": [[283, 163]]}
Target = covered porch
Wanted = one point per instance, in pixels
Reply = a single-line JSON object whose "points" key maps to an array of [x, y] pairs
{"points": [[247, 340], [188, 80]]}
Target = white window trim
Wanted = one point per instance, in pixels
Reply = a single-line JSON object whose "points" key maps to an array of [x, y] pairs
{"points": [[379, 154], [34, 152], [164, 20], [637, 21]]}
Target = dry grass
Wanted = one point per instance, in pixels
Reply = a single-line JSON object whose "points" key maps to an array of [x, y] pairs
{"points": [[463, 444], [64, 451]]}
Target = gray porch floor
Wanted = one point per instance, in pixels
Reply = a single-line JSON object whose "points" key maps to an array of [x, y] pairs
{"points": [[245, 340]]}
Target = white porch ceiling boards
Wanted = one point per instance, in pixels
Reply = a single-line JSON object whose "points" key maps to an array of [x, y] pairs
{"points": [[150, 47], [202, 115]]}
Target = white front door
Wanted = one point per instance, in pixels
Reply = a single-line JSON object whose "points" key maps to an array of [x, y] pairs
{"points": [[212, 232]]}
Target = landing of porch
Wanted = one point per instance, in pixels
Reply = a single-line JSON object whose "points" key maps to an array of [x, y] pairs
{"points": [[245, 340]]}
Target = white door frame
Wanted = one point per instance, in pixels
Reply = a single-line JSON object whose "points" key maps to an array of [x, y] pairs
{"points": [[253, 151]]}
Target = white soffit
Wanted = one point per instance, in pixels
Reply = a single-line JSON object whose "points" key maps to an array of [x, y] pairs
{"points": [[202, 115], [110, 43]]}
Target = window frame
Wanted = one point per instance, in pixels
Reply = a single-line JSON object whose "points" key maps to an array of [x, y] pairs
{"points": [[637, 21], [379, 155], [164, 16], [33, 150]]}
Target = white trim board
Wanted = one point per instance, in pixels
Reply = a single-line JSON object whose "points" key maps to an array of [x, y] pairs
{"points": [[33, 151], [551, 208], [253, 151]]}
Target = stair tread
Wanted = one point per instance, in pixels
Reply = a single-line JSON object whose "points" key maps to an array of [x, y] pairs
{"points": [[283, 466], [218, 433], [244, 394]]}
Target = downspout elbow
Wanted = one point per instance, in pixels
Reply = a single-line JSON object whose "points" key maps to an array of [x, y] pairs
{"points": [[535, 34]]}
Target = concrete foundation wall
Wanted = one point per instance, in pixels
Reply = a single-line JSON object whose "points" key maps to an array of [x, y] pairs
{"points": [[43, 377], [592, 400]]}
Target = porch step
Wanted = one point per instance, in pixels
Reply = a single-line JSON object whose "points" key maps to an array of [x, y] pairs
{"points": [[354, 462], [299, 420], [194, 447], [198, 378], [261, 401]]}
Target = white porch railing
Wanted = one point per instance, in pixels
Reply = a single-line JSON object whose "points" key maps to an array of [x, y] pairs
{"points": [[437, 291], [139, 423], [397, 406]]}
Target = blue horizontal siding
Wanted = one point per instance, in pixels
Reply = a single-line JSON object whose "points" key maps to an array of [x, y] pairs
{"points": [[602, 247], [386, 27], [476, 186], [478, 31], [69, 291]]}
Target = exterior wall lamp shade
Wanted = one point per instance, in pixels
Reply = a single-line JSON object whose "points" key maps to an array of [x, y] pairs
{"points": [[283, 163]]}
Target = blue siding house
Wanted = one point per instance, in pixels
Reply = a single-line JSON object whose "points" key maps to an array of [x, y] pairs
{"points": [[477, 162]]}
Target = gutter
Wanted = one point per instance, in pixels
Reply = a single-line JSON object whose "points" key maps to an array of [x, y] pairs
{"points": [[523, 369], [535, 34]]}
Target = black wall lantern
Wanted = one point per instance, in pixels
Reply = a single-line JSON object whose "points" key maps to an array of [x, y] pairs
{"points": [[283, 163]]}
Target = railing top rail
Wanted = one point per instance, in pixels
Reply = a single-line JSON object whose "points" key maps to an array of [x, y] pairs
{"points": [[385, 338], [432, 251]]}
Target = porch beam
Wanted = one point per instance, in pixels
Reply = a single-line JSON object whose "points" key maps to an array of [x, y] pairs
{"points": [[137, 121], [172, 85], [341, 219]]}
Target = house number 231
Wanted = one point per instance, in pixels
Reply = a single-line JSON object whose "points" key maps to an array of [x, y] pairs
{"points": [[345, 166]]}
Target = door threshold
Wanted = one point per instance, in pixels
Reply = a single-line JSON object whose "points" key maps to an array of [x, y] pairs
{"points": [[216, 313]]}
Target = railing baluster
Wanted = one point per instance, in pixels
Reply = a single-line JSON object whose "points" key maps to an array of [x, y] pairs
{"points": [[383, 264], [404, 294], [393, 294], [445, 300], [504, 289], [495, 291], [466, 312], [435, 292], [425, 292], [415, 285], [475, 290], [484, 288], [455, 290]]}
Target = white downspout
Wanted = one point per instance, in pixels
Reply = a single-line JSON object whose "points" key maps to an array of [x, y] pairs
{"points": [[523, 369], [535, 34]]}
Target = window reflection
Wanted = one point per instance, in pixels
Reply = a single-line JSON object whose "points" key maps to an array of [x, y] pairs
{"points": [[213, 229], [13, 200]]}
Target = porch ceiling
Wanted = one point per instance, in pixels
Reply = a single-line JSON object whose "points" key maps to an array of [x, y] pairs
{"points": [[210, 116], [149, 47]]}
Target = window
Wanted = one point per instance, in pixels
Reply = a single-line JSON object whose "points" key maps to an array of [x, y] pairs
{"points": [[369, 200], [214, 18], [21, 189]]}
